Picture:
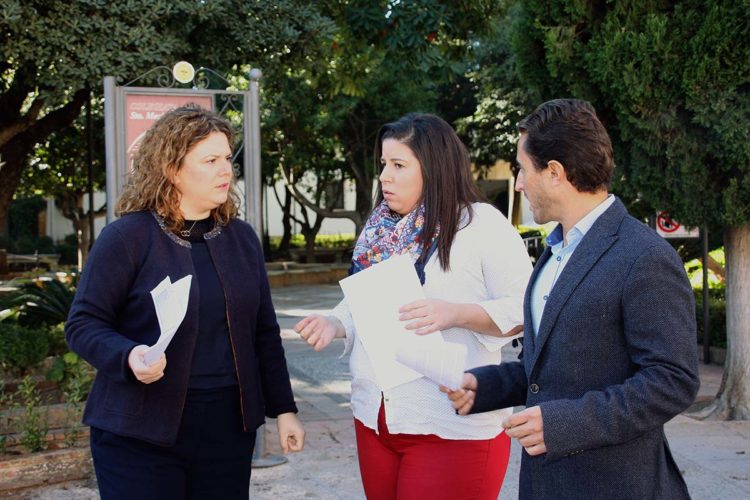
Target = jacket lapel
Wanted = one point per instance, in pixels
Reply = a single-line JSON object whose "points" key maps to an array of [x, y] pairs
{"points": [[594, 244]]}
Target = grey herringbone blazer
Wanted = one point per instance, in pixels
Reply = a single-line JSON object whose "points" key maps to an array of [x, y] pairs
{"points": [[614, 359]]}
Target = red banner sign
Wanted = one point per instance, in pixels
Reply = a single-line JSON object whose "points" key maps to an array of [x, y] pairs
{"points": [[142, 110]]}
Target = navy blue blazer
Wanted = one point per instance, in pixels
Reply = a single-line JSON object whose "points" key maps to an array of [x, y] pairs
{"points": [[614, 359], [113, 312]]}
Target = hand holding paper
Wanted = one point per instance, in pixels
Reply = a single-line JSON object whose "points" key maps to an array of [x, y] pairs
{"points": [[441, 361], [170, 300], [397, 354], [143, 372]]}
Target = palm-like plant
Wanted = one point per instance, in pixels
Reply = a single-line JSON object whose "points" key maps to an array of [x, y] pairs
{"points": [[41, 302]]}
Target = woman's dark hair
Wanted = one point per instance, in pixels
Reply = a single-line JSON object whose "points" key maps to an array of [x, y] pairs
{"points": [[448, 186], [568, 131]]}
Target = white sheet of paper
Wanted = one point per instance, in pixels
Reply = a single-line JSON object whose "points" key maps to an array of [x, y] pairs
{"points": [[374, 297], [443, 363], [171, 301]]}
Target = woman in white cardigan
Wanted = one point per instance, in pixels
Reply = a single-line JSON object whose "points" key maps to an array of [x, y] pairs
{"points": [[474, 269]]}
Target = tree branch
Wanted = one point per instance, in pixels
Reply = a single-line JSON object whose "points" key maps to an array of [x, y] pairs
{"points": [[302, 200]]}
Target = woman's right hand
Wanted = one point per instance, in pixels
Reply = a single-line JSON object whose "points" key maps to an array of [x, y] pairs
{"points": [[319, 330], [143, 372]]}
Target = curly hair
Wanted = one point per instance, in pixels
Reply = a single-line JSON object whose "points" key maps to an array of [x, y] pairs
{"points": [[160, 155]]}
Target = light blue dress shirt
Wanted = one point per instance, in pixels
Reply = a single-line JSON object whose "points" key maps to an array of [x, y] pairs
{"points": [[553, 268]]}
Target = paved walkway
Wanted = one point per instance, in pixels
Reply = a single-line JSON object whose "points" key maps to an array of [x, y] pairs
{"points": [[714, 456]]}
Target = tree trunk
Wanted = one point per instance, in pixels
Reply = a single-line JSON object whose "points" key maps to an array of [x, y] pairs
{"points": [[363, 204], [17, 147], [310, 245], [286, 222], [733, 400]]}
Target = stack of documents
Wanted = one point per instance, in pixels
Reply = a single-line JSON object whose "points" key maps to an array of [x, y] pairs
{"points": [[398, 355]]}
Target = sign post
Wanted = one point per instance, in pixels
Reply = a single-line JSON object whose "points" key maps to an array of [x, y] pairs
{"points": [[667, 227]]}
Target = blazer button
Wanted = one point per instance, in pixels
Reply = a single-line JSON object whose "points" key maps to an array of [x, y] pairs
{"points": [[534, 388]]}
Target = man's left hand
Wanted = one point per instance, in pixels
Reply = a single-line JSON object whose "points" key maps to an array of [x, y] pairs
{"points": [[527, 426]]}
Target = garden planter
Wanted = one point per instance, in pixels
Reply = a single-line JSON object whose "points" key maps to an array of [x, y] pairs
{"points": [[43, 468]]}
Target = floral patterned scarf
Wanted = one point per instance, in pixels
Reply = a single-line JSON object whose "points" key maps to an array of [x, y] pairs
{"points": [[387, 233]]}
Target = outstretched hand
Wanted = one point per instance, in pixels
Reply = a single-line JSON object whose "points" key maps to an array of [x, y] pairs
{"points": [[463, 398], [318, 330]]}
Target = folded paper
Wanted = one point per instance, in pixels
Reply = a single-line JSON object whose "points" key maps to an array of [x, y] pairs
{"points": [[171, 301], [398, 355]]}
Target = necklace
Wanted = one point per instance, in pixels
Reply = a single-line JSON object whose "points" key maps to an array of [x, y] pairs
{"points": [[185, 233]]}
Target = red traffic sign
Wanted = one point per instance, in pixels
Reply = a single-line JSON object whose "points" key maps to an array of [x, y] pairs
{"points": [[667, 227], [666, 223]]}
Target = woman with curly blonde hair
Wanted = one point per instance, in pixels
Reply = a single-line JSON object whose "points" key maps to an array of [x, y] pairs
{"points": [[186, 431]]}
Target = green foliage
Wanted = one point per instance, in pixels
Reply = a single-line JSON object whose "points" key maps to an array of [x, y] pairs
{"points": [[33, 420], [717, 303], [694, 270], [717, 313], [21, 348], [54, 50], [502, 98], [670, 80], [75, 43], [321, 241], [6, 403], [23, 221], [68, 250], [57, 343], [42, 302], [73, 375], [385, 59]]}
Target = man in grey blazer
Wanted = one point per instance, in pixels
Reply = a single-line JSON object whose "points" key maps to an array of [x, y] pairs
{"points": [[609, 329]]}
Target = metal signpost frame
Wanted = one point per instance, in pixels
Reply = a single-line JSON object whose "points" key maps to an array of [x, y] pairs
{"points": [[245, 102]]}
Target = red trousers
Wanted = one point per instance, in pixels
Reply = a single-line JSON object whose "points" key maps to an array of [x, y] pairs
{"points": [[411, 466]]}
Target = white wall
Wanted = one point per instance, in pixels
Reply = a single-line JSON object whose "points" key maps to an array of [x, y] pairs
{"points": [[58, 227], [330, 225]]}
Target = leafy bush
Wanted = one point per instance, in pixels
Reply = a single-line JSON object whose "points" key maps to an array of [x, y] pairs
{"points": [[717, 314], [717, 304], [68, 250], [321, 240], [33, 420], [41, 302], [73, 375], [21, 348], [57, 344]]}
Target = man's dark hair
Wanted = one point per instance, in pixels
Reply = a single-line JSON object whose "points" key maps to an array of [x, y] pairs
{"points": [[568, 131]]}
